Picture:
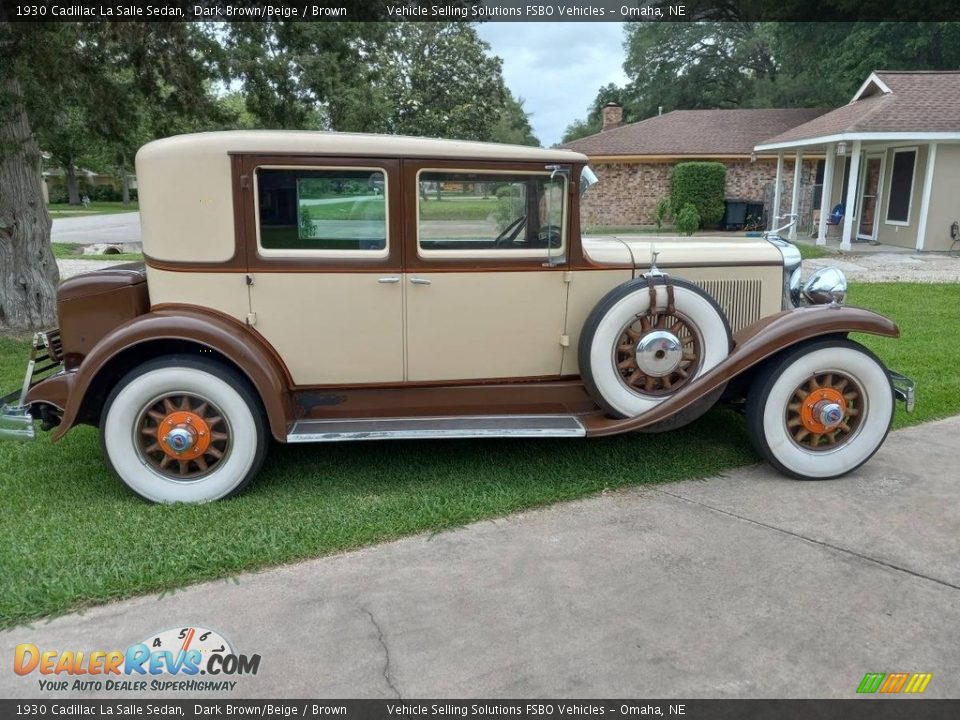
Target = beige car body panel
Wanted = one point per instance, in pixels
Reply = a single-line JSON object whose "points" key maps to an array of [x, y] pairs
{"points": [[332, 328], [478, 325], [224, 292]]}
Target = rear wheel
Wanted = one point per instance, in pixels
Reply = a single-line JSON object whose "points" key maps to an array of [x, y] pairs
{"points": [[822, 410], [179, 429]]}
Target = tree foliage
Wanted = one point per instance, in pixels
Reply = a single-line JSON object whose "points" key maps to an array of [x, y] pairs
{"points": [[717, 64]]}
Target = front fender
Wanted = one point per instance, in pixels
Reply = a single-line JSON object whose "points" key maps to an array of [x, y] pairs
{"points": [[752, 345], [209, 329]]}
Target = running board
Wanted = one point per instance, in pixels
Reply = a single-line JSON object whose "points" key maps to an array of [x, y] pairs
{"points": [[531, 426]]}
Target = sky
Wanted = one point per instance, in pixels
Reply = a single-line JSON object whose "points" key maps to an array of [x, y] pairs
{"points": [[557, 68]]}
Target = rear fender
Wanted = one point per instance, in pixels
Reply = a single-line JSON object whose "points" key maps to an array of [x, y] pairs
{"points": [[753, 345], [209, 331]]}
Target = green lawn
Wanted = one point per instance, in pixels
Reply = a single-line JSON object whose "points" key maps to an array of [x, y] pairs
{"points": [[372, 208], [59, 210], [70, 535], [69, 251]]}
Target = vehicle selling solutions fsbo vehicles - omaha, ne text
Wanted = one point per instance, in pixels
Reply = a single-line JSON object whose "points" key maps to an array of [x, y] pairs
{"points": [[316, 287]]}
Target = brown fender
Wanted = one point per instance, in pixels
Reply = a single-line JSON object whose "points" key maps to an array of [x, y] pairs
{"points": [[752, 345], [215, 331]]}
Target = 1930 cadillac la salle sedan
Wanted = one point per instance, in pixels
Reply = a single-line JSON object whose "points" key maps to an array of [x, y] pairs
{"points": [[314, 287]]}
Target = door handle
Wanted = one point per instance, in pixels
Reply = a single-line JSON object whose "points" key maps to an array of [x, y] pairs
{"points": [[389, 280], [419, 281]]}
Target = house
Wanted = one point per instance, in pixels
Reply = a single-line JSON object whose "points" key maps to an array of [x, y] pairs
{"points": [[892, 159], [633, 162]]}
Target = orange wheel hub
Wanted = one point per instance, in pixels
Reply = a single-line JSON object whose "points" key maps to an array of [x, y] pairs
{"points": [[819, 410], [183, 435]]}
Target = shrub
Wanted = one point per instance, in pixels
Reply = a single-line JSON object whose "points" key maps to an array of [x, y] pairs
{"points": [[104, 193], [701, 184], [661, 212], [688, 219], [58, 195]]}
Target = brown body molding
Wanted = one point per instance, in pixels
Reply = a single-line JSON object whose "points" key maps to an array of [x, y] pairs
{"points": [[170, 329], [753, 345]]}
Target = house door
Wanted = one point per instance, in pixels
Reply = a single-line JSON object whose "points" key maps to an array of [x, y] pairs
{"points": [[871, 180]]}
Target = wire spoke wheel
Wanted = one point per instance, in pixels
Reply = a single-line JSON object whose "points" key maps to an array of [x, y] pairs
{"points": [[182, 436], [825, 411], [658, 354]]}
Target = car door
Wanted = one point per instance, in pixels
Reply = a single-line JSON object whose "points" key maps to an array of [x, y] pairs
{"points": [[485, 277], [323, 253]]}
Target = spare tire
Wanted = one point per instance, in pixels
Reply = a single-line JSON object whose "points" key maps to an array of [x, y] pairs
{"points": [[632, 359]]}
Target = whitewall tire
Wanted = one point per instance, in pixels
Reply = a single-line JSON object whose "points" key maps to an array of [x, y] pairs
{"points": [[631, 361], [820, 410], [183, 429]]}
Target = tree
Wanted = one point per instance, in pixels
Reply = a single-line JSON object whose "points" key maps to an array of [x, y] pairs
{"points": [[513, 124], [438, 80], [103, 72]]}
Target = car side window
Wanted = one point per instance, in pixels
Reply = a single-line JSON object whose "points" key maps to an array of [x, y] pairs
{"points": [[338, 210], [514, 213]]}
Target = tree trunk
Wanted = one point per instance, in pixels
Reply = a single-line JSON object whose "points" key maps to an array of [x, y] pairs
{"points": [[28, 270], [126, 188], [73, 192]]}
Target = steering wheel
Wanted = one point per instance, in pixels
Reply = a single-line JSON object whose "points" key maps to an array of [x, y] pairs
{"points": [[549, 236], [510, 232]]}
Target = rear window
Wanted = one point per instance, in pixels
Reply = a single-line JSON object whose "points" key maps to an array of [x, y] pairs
{"points": [[322, 209]]}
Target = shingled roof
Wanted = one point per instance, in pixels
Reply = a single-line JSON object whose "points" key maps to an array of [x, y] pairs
{"points": [[889, 102], [694, 132]]}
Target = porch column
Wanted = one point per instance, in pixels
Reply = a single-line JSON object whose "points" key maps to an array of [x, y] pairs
{"points": [[852, 185], [925, 198], [775, 212], [826, 193], [795, 196]]}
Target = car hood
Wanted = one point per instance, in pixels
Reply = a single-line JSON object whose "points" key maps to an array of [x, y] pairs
{"points": [[635, 250]]}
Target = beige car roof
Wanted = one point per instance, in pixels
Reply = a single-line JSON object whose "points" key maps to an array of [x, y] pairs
{"points": [[356, 144]]}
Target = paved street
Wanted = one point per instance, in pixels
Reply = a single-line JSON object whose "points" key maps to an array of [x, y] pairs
{"points": [[85, 230], [747, 585]]}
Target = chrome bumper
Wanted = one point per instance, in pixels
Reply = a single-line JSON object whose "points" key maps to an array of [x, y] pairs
{"points": [[16, 422], [904, 390]]}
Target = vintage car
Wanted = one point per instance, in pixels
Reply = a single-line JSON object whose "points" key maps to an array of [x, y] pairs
{"points": [[317, 287]]}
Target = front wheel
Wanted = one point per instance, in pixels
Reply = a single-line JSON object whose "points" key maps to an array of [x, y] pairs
{"points": [[182, 429], [822, 410]]}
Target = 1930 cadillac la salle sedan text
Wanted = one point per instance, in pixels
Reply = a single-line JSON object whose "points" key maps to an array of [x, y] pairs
{"points": [[315, 287]]}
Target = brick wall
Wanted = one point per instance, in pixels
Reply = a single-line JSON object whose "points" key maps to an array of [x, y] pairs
{"points": [[628, 192]]}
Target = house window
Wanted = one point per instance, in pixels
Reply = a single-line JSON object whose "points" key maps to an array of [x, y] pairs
{"points": [[818, 185], [901, 186], [327, 210]]}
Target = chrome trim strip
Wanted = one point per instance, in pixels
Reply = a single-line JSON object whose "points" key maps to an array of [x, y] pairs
{"points": [[471, 426]]}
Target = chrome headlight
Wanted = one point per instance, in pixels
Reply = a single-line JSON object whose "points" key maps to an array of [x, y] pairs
{"points": [[792, 261], [826, 285]]}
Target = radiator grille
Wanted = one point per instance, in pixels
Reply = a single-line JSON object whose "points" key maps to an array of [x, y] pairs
{"points": [[740, 299]]}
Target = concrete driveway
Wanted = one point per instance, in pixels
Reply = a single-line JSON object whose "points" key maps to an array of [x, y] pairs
{"points": [[748, 585], [86, 230]]}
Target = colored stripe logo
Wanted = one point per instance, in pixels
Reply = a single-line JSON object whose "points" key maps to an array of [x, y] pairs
{"points": [[893, 683]]}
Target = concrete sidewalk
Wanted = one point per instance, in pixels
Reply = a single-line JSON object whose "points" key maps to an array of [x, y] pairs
{"points": [[749, 585]]}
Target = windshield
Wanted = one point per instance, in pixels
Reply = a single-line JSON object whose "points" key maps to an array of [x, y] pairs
{"points": [[588, 179]]}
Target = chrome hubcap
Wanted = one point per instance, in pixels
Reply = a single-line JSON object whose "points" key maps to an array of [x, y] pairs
{"points": [[181, 438], [659, 353], [830, 414]]}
